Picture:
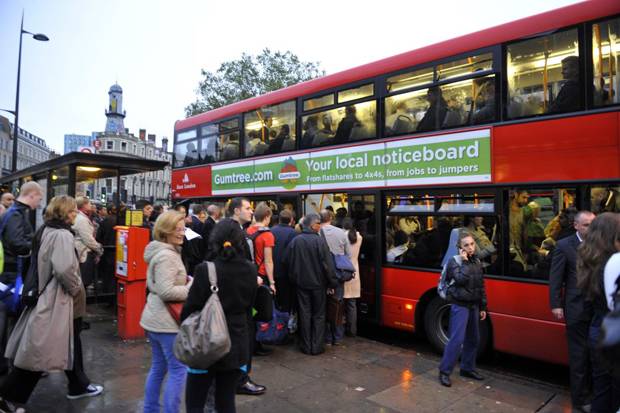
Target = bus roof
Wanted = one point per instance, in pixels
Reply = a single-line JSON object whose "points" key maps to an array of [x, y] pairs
{"points": [[540, 23]]}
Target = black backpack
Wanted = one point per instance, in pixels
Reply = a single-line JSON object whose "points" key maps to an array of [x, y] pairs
{"points": [[30, 291]]}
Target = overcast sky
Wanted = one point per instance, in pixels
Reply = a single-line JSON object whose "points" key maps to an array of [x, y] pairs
{"points": [[155, 49]]}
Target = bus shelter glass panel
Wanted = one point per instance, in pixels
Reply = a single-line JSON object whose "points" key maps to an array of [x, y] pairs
{"points": [[410, 80], [605, 58], [270, 129], [543, 75], [341, 125], [90, 181], [538, 218], [59, 182]]}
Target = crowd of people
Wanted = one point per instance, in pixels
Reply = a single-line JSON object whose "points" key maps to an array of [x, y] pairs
{"points": [[297, 264]]}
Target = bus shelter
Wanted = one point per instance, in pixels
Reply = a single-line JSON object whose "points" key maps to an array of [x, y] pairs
{"points": [[81, 174]]}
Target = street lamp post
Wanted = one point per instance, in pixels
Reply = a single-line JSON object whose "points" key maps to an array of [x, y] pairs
{"points": [[42, 38]]}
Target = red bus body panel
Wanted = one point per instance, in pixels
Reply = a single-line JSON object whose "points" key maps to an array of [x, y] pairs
{"points": [[577, 148], [519, 312]]}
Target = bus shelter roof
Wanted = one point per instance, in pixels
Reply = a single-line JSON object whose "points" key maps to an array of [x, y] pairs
{"points": [[124, 165]]}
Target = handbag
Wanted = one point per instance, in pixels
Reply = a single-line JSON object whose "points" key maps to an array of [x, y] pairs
{"points": [[345, 271], [335, 310], [203, 337], [175, 308], [274, 331], [609, 343]]}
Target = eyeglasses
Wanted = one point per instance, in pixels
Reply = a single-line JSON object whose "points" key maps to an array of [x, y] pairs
{"points": [[180, 230]]}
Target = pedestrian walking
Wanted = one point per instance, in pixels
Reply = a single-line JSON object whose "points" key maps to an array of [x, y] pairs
{"points": [[236, 281], [468, 300], [47, 335], [567, 303], [311, 270], [17, 234], [597, 247], [353, 287], [167, 283]]}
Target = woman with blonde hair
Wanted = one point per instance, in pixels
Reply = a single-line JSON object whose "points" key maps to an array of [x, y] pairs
{"points": [[47, 334], [167, 282]]}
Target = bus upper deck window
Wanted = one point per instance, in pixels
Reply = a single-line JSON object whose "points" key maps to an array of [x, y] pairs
{"points": [[543, 75], [605, 49]]}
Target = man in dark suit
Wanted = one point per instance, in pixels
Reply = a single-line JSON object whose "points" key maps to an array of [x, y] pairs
{"points": [[572, 307], [213, 216]]}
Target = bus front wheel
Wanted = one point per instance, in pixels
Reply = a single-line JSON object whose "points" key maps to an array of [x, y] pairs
{"points": [[437, 321]]}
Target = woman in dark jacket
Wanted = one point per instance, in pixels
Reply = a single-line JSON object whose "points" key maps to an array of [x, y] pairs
{"points": [[596, 248], [236, 279], [468, 303]]}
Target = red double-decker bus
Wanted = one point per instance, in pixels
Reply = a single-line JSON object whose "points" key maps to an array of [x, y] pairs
{"points": [[507, 131]]}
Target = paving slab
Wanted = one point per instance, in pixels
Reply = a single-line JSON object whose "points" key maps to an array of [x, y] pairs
{"points": [[361, 376]]}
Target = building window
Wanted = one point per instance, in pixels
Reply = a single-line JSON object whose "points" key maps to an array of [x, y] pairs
{"points": [[109, 145], [124, 146]]}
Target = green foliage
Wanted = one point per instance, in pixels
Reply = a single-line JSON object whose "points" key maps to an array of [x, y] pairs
{"points": [[250, 76]]}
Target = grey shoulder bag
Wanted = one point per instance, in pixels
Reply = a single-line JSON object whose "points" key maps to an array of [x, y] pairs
{"points": [[203, 337]]}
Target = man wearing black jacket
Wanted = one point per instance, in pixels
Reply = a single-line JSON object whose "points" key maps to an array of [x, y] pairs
{"points": [[17, 234], [572, 307], [311, 270]]}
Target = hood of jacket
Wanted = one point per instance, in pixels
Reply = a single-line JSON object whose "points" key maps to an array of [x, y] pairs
{"points": [[155, 247]]}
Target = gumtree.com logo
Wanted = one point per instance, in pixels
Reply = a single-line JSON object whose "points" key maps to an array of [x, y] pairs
{"points": [[185, 179], [289, 174]]}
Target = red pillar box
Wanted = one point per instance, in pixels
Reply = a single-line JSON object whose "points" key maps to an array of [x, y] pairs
{"points": [[131, 279]]}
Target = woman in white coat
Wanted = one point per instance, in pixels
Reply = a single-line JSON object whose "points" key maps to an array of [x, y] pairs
{"points": [[352, 288]]}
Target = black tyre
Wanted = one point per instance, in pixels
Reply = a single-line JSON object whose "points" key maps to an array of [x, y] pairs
{"points": [[437, 321]]}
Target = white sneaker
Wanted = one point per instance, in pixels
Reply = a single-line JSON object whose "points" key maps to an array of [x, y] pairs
{"points": [[91, 391]]}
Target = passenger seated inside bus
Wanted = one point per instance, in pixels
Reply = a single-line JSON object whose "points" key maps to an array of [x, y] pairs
{"points": [[311, 127], [192, 157], [486, 250], [346, 125], [275, 144], [400, 121], [436, 112], [568, 99], [255, 146], [428, 246], [230, 145], [484, 103], [401, 241], [325, 134]]}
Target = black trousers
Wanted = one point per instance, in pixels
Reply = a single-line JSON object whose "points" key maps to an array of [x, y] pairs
{"points": [[245, 375], [20, 383], [285, 298], [579, 361], [198, 385], [311, 320], [87, 269]]}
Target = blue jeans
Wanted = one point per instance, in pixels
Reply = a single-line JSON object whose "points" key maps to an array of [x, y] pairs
{"points": [[163, 361], [464, 335]]}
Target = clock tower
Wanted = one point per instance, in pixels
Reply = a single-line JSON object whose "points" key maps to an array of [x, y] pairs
{"points": [[115, 112]]}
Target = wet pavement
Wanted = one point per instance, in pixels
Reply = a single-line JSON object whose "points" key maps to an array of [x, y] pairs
{"points": [[359, 376]]}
